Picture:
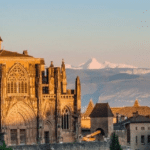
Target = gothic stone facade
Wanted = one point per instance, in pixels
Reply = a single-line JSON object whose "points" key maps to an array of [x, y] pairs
{"points": [[35, 104]]}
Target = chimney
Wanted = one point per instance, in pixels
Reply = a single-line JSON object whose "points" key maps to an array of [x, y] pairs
{"points": [[135, 114], [122, 118], [25, 52], [117, 117], [1, 43]]}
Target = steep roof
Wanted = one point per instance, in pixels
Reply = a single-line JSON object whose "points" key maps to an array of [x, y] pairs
{"points": [[89, 109], [101, 110], [5, 53]]}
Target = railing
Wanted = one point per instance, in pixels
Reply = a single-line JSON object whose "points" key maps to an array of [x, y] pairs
{"points": [[54, 96], [67, 96], [49, 96]]}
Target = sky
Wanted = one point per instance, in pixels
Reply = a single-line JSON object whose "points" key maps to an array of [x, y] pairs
{"points": [[78, 30]]}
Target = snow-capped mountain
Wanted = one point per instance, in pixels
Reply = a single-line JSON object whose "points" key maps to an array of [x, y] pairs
{"points": [[94, 64], [117, 86]]}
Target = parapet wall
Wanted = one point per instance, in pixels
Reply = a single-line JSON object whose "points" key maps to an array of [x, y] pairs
{"points": [[67, 146]]}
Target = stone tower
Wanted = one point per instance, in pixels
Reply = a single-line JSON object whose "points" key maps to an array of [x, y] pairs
{"points": [[102, 119]]}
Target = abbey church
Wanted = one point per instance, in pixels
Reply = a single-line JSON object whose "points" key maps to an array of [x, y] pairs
{"points": [[36, 105]]}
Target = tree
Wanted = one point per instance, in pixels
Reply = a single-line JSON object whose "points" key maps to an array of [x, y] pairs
{"points": [[115, 143], [4, 147]]}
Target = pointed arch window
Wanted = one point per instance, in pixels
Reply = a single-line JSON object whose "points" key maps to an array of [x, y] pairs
{"points": [[65, 118], [17, 81]]}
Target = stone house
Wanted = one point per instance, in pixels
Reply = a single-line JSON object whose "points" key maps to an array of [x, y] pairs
{"points": [[136, 132]]}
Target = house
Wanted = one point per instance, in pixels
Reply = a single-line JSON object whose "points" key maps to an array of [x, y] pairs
{"points": [[134, 132]]}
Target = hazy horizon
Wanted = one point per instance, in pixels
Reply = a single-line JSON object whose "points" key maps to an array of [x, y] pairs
{"points": [[78, 30]]}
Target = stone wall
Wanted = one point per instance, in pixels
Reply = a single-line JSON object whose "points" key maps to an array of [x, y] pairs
{"points": [[67, 146], [122, 136]]}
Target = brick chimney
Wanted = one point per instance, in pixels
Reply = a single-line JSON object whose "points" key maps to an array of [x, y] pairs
{"points": [[25, 52], [1, 43]]}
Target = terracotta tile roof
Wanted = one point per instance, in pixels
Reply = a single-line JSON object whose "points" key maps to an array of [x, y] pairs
{"points": [[5, 53], [128, 111], [101, 110], [115, 109], [89, 109]]}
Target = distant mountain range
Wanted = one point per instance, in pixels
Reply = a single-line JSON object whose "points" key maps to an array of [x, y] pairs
{"points": [[117, 86], [94, 64]]}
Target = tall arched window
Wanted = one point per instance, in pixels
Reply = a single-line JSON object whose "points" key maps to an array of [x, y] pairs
{"points": [[17, 80], [65, 118]]}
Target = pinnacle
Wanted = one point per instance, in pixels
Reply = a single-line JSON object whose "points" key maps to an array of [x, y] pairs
{"points": [[136, 103]]}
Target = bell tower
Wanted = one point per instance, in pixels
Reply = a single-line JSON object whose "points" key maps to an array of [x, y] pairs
{"points": [[0, 42]]}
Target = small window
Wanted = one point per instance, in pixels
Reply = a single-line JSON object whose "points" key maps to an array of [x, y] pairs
{"points": [[136, 128], [148, 139], [142, 139], [148, 128], [142, 128], [136, 139], [45, 90]]}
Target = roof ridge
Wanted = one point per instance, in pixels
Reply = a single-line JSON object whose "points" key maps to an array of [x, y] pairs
{"points": [[7, 53]]}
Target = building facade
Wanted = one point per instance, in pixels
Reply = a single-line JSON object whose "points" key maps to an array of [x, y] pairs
{"points": [[36, 105], [134, 132]]}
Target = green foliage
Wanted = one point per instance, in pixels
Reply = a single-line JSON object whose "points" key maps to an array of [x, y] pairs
{"points": [[4, 147], [115, 143]]}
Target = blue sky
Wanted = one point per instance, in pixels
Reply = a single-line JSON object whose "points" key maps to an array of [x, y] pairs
{"points": [[78, 30]]}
